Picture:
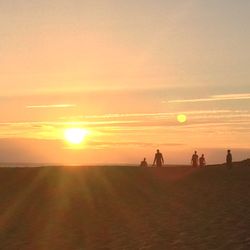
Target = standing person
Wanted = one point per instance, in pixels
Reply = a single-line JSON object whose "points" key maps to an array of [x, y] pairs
{"points": [[194, 159], [229, 159], [202, 161], [144, 163], [158, 159]]}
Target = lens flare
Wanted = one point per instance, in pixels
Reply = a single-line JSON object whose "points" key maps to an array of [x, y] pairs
{"points": [[181, 118]]}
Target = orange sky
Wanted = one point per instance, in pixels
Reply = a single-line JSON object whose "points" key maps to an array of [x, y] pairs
{"points": [[124, 71]]}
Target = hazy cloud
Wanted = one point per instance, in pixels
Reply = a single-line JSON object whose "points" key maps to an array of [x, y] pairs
{"points": [[212, 98], [51, 106], [162, 114]]}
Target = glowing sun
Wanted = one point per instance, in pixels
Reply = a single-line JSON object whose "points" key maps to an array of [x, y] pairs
{"points": [[75, 135]]}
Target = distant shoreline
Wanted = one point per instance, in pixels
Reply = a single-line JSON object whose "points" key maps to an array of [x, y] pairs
{"points": [[35, 165]]}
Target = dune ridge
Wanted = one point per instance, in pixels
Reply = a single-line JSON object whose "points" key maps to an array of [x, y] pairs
{"points": [[78, 208]]}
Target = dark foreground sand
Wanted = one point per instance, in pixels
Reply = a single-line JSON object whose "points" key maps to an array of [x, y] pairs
{"points": [[124, 208]]}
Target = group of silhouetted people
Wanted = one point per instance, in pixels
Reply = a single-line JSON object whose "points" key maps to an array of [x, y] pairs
{"points": [[196, 161], [158, 160]]}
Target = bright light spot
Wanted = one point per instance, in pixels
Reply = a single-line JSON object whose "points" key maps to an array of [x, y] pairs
{"points": [[75, 135], [181, 118]]}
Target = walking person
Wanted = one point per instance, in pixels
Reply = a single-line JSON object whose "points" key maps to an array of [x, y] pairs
{"points": [[194, 160], [202, 161], [144, 163], [229, 159], [158, 160]]}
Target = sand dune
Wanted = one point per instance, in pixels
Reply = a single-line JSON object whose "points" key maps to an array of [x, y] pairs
{"points": [[60, 208]]}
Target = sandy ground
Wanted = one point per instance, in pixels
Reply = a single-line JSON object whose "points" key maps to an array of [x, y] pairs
{"points": [[124, 208]]}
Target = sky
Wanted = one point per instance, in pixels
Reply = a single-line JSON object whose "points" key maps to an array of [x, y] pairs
{"points": [[124, 71]]}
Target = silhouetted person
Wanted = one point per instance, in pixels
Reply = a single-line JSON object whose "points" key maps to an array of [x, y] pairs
{"points": [[202, 161], [194, 159], [159, 161], [229, 159], [144, 163]]}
